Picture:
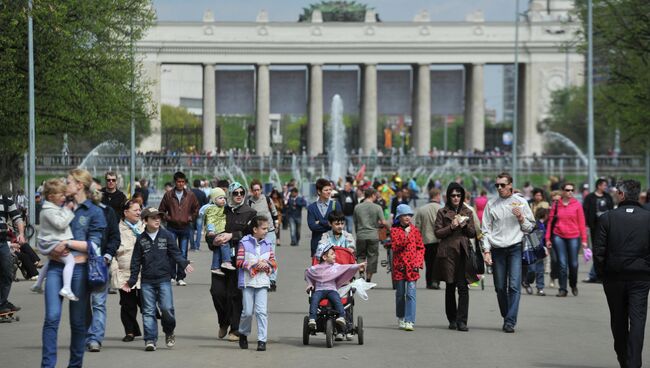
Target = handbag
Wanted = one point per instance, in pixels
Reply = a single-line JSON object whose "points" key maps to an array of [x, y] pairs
{"points": [[532, 247], [97, 269], [476, 259]]}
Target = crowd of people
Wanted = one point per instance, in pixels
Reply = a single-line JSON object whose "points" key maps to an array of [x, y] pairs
{"points": [[448, 238]]}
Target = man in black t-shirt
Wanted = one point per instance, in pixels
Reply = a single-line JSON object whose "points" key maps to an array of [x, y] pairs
{"points": [[111, 196]]}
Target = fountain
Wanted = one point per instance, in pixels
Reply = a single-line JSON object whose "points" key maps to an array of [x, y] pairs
{"points": [[274, 179], [337, 154], [97, 155], [555, 136]]}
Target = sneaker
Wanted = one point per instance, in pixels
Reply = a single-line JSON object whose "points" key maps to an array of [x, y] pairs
{"points": [[170, 340], [340, 322], [233, 337], [94, 347], [338, 337], [540, 292], [408, 326], [36, 288], [312, 324], [508, 329], [529, 289], [181, 283], [172, 280], [348, 337], [552, 283], [68, 294], [149, 346], [128, 338], [217, 271], [401, 324], [33, 278], [228, 266], [261, 345], [243, 342], [561, 294]]}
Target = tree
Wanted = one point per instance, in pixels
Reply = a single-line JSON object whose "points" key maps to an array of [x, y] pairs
{"points": [[83, 71], [181, 128], [337, 11]]}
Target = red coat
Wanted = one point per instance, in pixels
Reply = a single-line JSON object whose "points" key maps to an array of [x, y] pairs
{"points": [[408, 253]]}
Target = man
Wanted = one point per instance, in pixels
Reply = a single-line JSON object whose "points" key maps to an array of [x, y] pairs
{"points": [[595, 205], [180, 208], [295, 204], [348, 200], [264, 206], [318, 211], [111, 196], [621, 254], [8, 211], [368, 216], [403, 196], [196, 229], [425, 218], [505, 220]]}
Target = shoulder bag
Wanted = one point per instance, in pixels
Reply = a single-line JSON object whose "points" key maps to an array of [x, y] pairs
{"points": [[97, 269]]}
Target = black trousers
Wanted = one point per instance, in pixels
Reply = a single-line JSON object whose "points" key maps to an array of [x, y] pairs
{"points": [[458, 313], [129, 303], [227, 299], [430, 251], [628, 308]]}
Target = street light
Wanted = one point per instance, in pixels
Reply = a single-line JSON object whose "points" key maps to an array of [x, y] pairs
{"points": [[590, 97], [515, 118], [32, 120]]}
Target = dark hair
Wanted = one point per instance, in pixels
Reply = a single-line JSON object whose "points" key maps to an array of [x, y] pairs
{"points": [[335, 216], [369, 192], [223, 183], [322, 183], [168, 184], [434, 192], [197, 183], [541, 212], [568, 183], [257, 221], [294, 190], [110, 173], [97, 181], [630, 188], [600, 181], [506, 176], [256, 182], [538, 190], [179, 175]]}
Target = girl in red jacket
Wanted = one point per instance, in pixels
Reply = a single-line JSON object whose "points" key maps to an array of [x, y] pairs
{"points": [[408, 259]]}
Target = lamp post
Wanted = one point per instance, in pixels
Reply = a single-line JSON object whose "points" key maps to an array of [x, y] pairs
{"points": [[515, 117], [590, 97], [132, 179], [32, 119]]}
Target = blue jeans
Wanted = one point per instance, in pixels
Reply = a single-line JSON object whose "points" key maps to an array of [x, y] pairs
{"points": [[53, 306], [160, 294], [196, 229], [219, 255], [182, 236], [271, 238], [294, 229], [98, 323], [506, 269], [536, 274], [405, 300], [567, 257], [331, 295], [349, 223], [254, 300], [6, 272]]}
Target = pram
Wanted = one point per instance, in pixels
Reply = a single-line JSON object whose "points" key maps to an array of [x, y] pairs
{"points": [[326, 314]]}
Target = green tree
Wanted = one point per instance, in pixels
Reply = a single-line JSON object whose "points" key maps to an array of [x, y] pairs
{"points": [[337, 11], [83, 69], [180, 128]]}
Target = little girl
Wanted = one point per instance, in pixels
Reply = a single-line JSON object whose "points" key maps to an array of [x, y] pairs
{"points": [[55, 221], [215, 219]]}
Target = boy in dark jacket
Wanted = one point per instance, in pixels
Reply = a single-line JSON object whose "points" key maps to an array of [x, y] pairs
{"points": [[152, 257]]}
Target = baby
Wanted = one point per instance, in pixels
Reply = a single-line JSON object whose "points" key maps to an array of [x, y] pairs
{"points": [[215, 219]]}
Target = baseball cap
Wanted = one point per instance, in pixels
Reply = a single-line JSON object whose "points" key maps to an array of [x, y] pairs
{"points": [[149, 212]]}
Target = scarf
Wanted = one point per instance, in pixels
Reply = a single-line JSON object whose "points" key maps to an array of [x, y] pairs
{"points": [[136, 228]]}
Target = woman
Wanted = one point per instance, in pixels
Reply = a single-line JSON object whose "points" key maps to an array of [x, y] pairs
{"points": [[454, 228], [567, 230], [226, 296], [87, 229], [130, 228], [276, 197]]}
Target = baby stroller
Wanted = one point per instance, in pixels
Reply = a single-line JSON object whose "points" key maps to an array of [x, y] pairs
{"points": [[326, 314]]}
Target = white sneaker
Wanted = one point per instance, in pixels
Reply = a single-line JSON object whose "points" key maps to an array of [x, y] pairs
{"points": [[340, 321], [408, 326], [181, 283], [36, 288], [401, 324], [68, 294], [311, 324], [217, 271], [228, 266], [338, 337]]}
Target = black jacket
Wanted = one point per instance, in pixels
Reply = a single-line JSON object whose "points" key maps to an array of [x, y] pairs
{"points": [[590, 206], [622, 244], [152, 258], [347, 201], [111, 239], [237, 223]]}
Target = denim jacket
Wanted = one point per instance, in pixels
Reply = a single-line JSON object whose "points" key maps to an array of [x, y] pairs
{"points": [[88, 224]]}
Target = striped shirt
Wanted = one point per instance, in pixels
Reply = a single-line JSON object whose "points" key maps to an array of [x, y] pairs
{"points": [[8, 210]]}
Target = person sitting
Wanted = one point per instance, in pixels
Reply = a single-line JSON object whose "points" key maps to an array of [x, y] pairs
{"points": [[338, 237]]}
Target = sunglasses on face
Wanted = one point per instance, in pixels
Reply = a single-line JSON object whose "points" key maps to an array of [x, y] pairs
{"points": [[569, 190], [454, 196], [238, 193], [111, 180], [500, 185]]}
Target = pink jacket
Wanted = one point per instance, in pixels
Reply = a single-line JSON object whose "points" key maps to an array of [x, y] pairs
{"points": [[570, 221]]}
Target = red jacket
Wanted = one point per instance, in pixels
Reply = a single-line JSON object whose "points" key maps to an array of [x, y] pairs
{"points": [[570, 221], [408, 253]]}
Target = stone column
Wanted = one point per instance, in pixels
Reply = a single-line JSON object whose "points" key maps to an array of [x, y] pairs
{"points": [[530, 98], [422, 109], [315, 124], [474, 108], [262, 122], [153, 142], [209, 108], [368, 129]]}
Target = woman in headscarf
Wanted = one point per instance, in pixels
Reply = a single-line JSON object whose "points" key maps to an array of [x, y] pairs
{"points": [[454, 227], [226, 296]]}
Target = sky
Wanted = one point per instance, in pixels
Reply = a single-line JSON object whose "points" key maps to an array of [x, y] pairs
{"points": [[388, 10]]}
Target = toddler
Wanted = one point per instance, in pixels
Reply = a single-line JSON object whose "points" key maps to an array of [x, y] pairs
{"points": [[215, 219]]}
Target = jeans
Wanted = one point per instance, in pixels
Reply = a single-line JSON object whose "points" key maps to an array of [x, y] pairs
{"points": [[254, 300], [405, 300], [294, 230], [6, 273], [161, 294], [334, 298], [270, 237], [349, 223], [219, 255], [53, 306], [98, 316], [506, 270], [567, 256], [182, 236], [535, 273], [196, 229]]}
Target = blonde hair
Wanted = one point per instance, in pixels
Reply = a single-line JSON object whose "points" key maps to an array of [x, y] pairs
{"points": [[53, 186], [83, 176]]}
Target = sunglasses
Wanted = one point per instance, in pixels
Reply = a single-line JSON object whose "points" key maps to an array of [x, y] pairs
{"points": [[111, 180], [454, 195], [238, 193], [500, 185], [569, 190]]}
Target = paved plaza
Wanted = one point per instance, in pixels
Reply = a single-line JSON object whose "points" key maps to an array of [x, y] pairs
{"points": [[552, 332]]}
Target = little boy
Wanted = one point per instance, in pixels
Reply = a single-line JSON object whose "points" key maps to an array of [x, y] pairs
{"points": [[256, 262], [535, 271], [215, 220], [152, 255], [55, 221], [337, 236], [325, 278]]}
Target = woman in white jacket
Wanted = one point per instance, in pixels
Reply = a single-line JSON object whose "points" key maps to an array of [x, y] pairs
{"points": [[130, 228]]}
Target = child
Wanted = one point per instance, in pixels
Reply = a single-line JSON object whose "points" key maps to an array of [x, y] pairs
{"points": [[256, 262], [408, 259], [325, 278], [55, 221], [152, 255], [215, 219], [535, 271], [337, 236]]}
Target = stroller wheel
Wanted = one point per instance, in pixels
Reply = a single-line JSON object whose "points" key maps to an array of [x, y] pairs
{"points": [[305, 331], [360, 330], [329, 333]]}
